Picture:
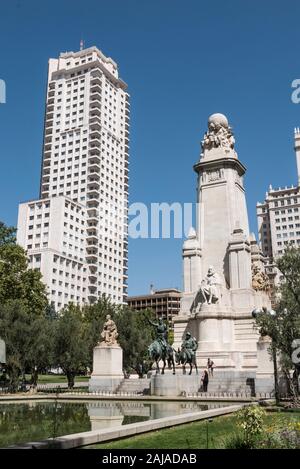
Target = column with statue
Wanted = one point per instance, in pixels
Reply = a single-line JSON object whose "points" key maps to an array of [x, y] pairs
{"points": [[107, 360]]}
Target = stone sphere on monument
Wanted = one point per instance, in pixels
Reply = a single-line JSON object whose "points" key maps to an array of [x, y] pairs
{"points": [[218, 119]]}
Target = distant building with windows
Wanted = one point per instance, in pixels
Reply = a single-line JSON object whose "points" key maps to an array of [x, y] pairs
{"points": [[76, 232], [279, 219], [164, 303]]}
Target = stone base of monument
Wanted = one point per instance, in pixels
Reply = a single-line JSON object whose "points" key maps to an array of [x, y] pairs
{"points": [[174, 385], [107, 368], [232, 381]]}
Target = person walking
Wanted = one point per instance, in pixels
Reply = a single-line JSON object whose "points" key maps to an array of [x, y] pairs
{"points": [[210, 366]]}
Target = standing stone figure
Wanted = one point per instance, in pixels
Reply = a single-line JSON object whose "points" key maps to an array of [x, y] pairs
{"points": [[210, 286], [109, 333]]}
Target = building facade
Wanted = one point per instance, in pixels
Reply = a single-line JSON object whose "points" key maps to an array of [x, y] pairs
{"points": [[81, 218], [164, 303], [278, 219]]}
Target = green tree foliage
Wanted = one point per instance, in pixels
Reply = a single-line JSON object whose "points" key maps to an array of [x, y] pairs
{"points": [[94, 318], [71, 342], [23, 301], [135, 335], [7, 234], [17, 282], [284, 327], [28, 340]]}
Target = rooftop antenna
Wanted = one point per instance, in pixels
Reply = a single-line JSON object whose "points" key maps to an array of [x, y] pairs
{"points": [[81, 44]]}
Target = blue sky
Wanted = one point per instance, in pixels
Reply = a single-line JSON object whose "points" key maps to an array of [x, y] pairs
{"points": [[182, 60]]}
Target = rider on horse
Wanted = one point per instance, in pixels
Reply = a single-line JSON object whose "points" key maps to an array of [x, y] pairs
{"points": [[190, 346], [161, 333]]}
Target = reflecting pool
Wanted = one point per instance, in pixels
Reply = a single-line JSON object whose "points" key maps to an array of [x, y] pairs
{"points": [[37, 420]]}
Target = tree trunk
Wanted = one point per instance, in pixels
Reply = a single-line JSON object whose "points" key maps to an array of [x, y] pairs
{"points": [[34, 377], [70, 378]]}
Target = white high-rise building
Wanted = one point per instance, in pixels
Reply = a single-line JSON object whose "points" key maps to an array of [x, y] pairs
{"points": [[76, 233], [278, 219]]}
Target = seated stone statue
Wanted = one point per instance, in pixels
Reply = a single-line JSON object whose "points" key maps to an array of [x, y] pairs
{"points": [[109, 333], [210, 286]]}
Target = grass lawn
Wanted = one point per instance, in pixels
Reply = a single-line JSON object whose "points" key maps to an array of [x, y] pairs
{"points": [[192, 435], [45, 379]]}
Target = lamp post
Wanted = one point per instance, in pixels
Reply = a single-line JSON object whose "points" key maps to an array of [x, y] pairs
{"points": [[271, 333]]}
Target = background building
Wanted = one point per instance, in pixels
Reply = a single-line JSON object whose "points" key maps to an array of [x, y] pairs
{"points": [[164, 303], [278, 219], [81, 216]]}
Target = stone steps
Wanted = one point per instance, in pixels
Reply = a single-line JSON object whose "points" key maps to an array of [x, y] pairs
{"points": [[134, 385]]}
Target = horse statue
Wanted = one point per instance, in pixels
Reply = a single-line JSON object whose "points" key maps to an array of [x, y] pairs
{"points": [[182, 358], [157, 352]]}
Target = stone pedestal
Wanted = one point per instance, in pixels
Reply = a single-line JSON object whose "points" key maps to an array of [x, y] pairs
{"points": [[174, 385], [264, 381], [107, 368]]}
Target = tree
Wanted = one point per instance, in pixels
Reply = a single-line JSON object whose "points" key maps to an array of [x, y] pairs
{"points": [[289, 313], [71, 343], [135, 333], [28, 341], [94, 318], [23, 302], [284, 326], [7, 234], [135, 336]]}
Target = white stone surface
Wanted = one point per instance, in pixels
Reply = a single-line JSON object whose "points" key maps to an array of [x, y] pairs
{"points": [[225, 330], [107, 368]]}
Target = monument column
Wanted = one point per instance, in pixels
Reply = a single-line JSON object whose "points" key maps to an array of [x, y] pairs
{"points": [[107, 360]]}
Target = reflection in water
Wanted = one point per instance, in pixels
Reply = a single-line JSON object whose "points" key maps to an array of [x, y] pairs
{"points": [[33, 421]]}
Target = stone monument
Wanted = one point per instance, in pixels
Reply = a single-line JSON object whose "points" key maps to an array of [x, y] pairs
{"points": [[107, 360], [223, 267]]}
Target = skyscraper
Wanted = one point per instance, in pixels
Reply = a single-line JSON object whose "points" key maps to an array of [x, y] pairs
{"points": [[76, 233], [278, 219]]}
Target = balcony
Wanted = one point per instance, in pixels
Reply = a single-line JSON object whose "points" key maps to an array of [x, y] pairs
{"points": [[94, 168], [92, 256], [96, 96], [95, 111], [50, 101], [94, 159], [93, 276], [95, 120], [92, 264], [48, 132], [49, 123], [96, 88], [93, 213], [93, 202], [94, 150], [93, 183], [96, 80], [91, 232], [95, 134], [95, 105], [93, 176]]}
